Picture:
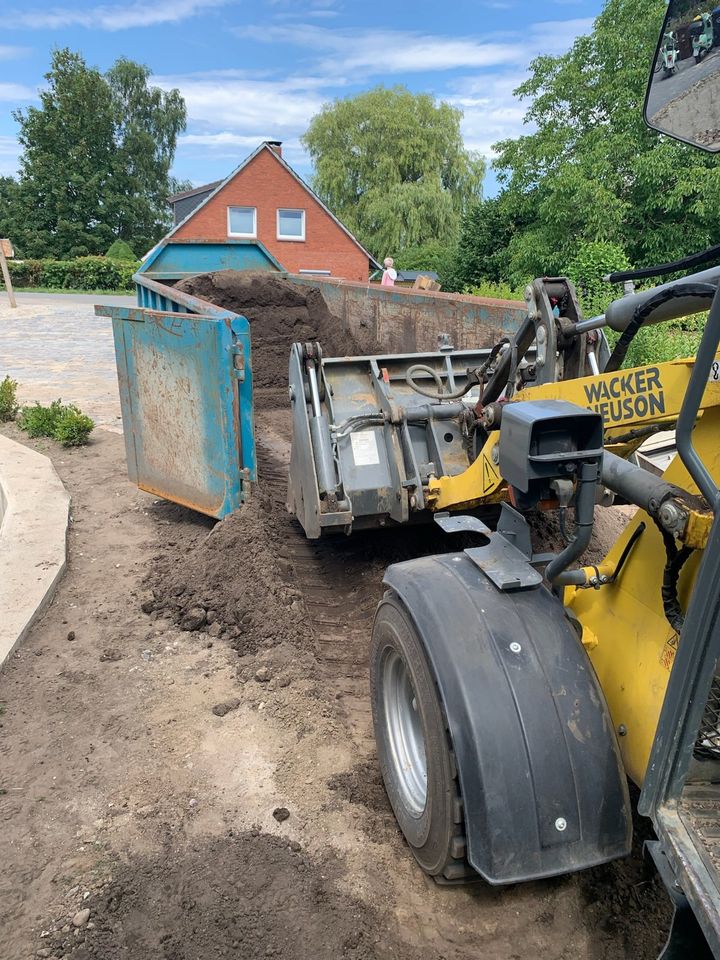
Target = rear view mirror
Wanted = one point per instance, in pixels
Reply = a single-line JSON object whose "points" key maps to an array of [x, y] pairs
{"points": [[683, 97]]}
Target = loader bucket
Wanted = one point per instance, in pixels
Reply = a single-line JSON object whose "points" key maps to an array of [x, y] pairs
{"points": [[365, 442]]}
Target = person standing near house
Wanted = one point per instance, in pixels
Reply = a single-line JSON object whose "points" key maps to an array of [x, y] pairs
{"points": [[389, 273]]}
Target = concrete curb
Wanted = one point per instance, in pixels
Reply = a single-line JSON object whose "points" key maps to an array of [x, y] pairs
{"points": [[34, 515]]}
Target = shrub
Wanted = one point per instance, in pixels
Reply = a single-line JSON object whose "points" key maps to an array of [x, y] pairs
{"points": [[72, 427], [591, 263], [82, 273], [64, 423], [25, 273], [8, 400], [121, 252], [498, 291], [39, 421]]}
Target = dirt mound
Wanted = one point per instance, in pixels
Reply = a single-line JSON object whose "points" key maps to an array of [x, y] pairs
{"points": [[230, 585], [280, 314], [247, 895], [362, 785]]}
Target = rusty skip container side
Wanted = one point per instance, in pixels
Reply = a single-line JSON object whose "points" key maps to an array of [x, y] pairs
{"points": [[185, 378]]}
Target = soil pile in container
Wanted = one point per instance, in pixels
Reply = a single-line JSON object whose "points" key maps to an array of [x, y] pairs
{"points": [[280, 314]]}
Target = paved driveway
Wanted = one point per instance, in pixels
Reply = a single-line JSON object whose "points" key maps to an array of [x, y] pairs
{"points": [[688, 73], [55, 346]]}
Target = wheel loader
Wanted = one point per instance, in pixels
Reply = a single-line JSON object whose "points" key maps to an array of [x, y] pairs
{"points": [[515, 692]]}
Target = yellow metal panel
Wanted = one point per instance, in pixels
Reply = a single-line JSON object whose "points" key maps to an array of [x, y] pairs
{"points": [[636, 645], [626, 400]]}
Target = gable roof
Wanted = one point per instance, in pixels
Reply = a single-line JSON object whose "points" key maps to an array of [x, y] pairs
{"points": [[184, 194], [222, 183]]}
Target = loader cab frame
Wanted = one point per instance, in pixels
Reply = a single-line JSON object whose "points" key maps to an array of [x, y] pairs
{"points": [[681, 791]]}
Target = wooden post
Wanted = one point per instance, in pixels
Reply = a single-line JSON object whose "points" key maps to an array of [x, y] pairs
{"points": [[6, 249]]}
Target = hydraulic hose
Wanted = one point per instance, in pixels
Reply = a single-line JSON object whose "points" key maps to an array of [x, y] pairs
{"points": [[474, 377], [472, 381], [704, 291], [663, 269], [676, 560], [556, 571]]}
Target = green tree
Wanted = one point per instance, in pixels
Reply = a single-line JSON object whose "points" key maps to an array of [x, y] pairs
{"points": [[147, 124], [591, 170], [393, 167], [10, 214], [96, 157]]}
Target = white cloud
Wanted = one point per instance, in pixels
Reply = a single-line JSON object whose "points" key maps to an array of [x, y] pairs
{"points": [[231, 111], [14, 92], [260, 109], [9, 155], [557, 36], [223, 139], [8, 52], [386, 51], [107, 17]]}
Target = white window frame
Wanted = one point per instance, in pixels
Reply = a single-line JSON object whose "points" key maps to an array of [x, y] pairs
{"points": [[281, 236], [245, 236]]}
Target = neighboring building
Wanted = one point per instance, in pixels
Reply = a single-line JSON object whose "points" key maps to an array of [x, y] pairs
{"points": [[265, 200], [184, 203]]}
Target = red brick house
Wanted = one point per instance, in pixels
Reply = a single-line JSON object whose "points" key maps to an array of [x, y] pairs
{"points": [[264, 199]]}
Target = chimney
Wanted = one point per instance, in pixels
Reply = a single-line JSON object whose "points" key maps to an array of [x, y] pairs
{"points": [[275, 145]]}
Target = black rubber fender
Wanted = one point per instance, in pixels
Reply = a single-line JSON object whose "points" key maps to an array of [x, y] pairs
{"points": [[542, 782]]}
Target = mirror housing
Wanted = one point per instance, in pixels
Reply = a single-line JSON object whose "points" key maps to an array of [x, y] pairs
{"points": [[683, 95]]}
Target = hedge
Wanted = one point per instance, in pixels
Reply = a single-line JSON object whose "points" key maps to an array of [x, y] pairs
{"points": [[83, 273]]}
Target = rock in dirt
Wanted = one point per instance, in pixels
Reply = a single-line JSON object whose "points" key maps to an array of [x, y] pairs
{"points": [[220, 709], [111, 655], [281, 814], [81, 917], [194, 619], [147, 605], [263, 675], [71, 635]]}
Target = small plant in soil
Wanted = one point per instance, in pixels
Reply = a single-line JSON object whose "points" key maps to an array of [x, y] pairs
{"points": [[8, 400], [65, 423], [73, 428]]}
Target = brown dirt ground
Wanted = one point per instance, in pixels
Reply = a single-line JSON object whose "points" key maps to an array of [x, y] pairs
{"points": [[189, 680], [126, 794]]}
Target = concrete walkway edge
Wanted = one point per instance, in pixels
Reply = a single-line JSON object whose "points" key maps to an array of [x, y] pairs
{"points": [[34, 516]]}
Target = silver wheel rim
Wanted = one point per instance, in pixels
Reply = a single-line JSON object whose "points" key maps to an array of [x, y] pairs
{"points": [[406, 739]]}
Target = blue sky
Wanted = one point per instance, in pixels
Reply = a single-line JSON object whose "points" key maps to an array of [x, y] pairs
{"points": [[252, 70]]}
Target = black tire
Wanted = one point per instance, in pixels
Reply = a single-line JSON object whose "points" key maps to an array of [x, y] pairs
{"points": [[436, 834]]}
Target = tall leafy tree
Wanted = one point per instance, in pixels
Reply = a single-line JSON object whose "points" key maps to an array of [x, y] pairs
{"points": [[591, 171], [67, 162], [147, 124], [393, 167], [96, 159]]}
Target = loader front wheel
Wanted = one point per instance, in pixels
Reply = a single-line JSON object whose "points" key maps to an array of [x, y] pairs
{"points": [[414, 750]]}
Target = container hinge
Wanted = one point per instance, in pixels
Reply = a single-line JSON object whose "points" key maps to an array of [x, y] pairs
{"points": [[245, 484], [238, 355]]}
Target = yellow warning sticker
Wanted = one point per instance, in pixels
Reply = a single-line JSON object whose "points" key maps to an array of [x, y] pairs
{"points": [[490, 476], [667, 654]]}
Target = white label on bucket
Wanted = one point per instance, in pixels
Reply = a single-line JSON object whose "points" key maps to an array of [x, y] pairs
{"points": [[715, 372], [365, 448]]}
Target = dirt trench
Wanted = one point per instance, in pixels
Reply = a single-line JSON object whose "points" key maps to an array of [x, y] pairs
{"points": [[196, 766]]}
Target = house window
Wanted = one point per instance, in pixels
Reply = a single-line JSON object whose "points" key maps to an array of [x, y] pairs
{"points": [[291, 224], [242, 222]]}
